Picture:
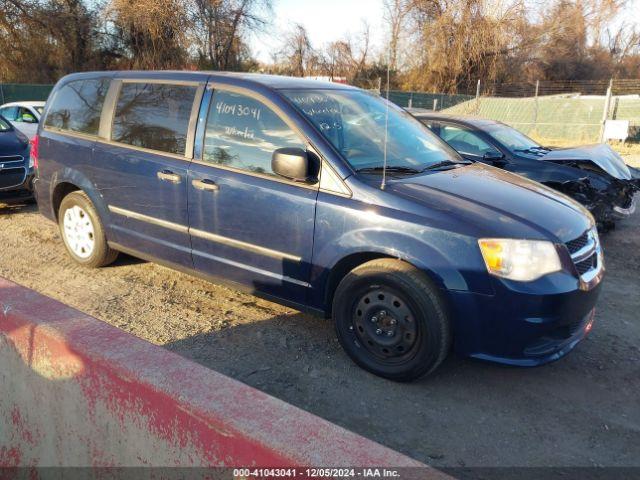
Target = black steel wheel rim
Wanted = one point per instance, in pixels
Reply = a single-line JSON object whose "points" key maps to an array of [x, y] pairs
{"points": [[384, 323]]}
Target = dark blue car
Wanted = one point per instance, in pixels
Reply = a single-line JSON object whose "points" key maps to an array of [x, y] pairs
{"points": [[276, 185], [593, 175], [16, 164]]}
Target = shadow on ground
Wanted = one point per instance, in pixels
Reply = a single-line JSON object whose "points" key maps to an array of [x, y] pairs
{"points": [[7, 207]]}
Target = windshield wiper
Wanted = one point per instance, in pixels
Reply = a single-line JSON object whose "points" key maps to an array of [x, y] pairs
{"points": [[393, 169], [535, 150], [444, 163]]}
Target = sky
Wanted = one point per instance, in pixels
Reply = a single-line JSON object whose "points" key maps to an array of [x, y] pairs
{"points": [[325, 20], [329, 20]]}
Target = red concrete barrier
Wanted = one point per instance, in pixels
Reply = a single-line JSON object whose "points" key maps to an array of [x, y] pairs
{"points": [[76, 391]]}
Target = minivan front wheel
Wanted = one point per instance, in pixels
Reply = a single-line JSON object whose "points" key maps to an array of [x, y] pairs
{"points": [[82, 231], [392, 320]]}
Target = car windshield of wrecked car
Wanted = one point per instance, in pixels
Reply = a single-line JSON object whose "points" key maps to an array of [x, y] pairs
{"points": [[512, 138], [357, 123]]}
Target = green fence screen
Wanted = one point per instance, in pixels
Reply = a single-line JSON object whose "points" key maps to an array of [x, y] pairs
{"points": [[12, 92], [431, 101]]}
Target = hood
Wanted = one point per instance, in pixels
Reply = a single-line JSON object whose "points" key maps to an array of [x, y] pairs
{"points": [[497, 203], [12, 142], [601, 154]]}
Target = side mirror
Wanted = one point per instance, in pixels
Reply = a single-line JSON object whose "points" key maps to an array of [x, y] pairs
{"points": [[28, 118], [494, 157], [294, 164]]}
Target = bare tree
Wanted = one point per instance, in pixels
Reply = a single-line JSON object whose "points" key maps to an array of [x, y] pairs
{"points": [[220, 26], [45, 39], [349, 57], [151, 32], [457, 42], [453, 42], [297, 55], [396, 13]]}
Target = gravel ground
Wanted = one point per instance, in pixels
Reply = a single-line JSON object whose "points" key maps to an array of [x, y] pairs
{"points": [[580, 411]]}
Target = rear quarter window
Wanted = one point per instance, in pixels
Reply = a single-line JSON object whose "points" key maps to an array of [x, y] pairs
{"points": [[77, 106]]}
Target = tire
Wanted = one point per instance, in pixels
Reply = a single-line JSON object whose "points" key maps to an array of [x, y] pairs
{"points": [[83, 233], [388, 295]]}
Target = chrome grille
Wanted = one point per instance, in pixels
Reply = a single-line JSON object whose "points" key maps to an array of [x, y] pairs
{"points": [[578, 243], [12, 177], [586, 265], [584, 252], [11, 159]]}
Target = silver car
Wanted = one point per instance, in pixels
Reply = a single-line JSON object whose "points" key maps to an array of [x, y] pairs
{"points": [[24, 116]]}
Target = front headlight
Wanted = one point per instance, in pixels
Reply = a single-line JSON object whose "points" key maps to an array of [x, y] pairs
{"points": [[522, 260]]}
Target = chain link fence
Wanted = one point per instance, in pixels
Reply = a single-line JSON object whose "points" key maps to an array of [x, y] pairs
{"points": [[430, 101], [559, 112], [13, 92]]}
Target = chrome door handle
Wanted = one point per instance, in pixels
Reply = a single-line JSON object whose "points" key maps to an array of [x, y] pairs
{"points": [[169, 176], [206, 184]]}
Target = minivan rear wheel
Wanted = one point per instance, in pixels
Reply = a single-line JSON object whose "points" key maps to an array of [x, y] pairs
{"points": [[82, 231], [392, 320]]}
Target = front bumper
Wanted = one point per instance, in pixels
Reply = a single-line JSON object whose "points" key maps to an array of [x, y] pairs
{"points": [[525, 326], [24, 190]]}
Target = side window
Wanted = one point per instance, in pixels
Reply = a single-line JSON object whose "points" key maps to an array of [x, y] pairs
{"points": [[154, 116], [465, 141], [10, 113], [77, 106], [26, 116], [431, 125], [243, 133]]}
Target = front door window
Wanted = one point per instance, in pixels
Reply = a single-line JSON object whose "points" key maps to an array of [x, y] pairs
{"points": [[243, 133], [466, 142]]}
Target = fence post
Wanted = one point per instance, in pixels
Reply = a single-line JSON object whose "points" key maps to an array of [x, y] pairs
{"points": [[605, 113], [535, 107], [411, 100], [2, 94], [435, 104], [478, 98]]}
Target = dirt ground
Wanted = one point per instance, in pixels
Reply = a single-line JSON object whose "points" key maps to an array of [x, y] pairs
{"points": [[581, 411], [632, 159]]}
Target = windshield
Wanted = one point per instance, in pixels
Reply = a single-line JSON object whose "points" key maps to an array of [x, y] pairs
{"points": [[354, 122], [4, 125], [39, 110], [511, 138]]}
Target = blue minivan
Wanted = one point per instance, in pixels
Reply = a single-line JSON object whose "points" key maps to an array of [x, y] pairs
{"points": [[278, 185]]}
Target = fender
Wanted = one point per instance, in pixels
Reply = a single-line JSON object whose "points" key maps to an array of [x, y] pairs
{"points": [[462, 271], [550, 172], [70, 175]]}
